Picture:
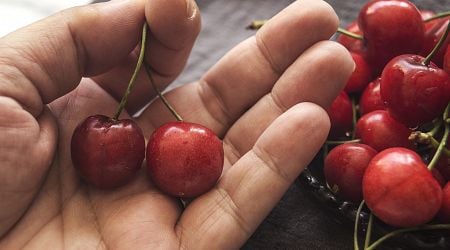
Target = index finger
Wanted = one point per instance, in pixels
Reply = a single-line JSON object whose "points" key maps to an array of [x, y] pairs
{"points": [[250, 189]]}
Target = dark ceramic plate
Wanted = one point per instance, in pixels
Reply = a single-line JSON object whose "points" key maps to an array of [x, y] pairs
{"points": [[313, 180]]}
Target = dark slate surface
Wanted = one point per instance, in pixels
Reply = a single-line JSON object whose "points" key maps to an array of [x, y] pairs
{"points": [[298, 221]]}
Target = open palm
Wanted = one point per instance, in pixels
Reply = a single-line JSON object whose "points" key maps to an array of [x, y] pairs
{"points": [[265, 99]]}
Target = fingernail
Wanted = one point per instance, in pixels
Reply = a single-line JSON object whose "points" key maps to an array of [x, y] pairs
{"points": [[191, 8]]}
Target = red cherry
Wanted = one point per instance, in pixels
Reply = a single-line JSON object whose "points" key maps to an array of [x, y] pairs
{"points": [[438, 177], [380, 131], [446, 65], [425, 14], [443, 166], [412, 92], [341, 116], [434, 31], [360, 77], [344, 168], [370, 99], [428, 14], [390, 28], [399, 189], [107, 153], [184, 159], [352, 44], [444, 212]]}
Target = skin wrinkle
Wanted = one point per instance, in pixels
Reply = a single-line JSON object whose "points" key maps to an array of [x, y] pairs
{"points": [[269, 161], [26, 243], [179, 232], [31, 103], [262, 47], [225, 204], [40, 71], [62, 203], [277, 103], [166, 78], [96, 221], [202, 88], [32, 203], [80, 49], [233, 150], [233, 210]]}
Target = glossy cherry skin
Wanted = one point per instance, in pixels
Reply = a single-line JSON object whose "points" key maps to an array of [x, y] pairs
{"points": [[107, 153], [412, 92], [360, 77], [390, 28], [184, 159], [353, 45], [344, 168], [443, 166], [446, 65], [399, 189], [341, 116], [444, 212], [370, 99], [433, 32], [428, 14], [379, 130]]}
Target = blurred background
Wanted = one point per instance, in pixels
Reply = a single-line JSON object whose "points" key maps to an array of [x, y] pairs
{"points": [[298, 221], [17, 13]]}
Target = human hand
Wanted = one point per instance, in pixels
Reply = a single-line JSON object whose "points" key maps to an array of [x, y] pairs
{"points": [[265, 99]]}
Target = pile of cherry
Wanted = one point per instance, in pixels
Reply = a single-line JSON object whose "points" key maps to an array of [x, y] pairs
{"points": [[388, 143]]}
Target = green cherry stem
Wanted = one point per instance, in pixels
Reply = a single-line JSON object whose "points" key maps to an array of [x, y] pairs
{"points": [[355, 229], [342, 142], [368, 232], [436, 48], [443, 142], [437, 126], [426, 138], [257, 24], [160, 95], [350, 34], [412, 229], [124, 100], [437, 16]]}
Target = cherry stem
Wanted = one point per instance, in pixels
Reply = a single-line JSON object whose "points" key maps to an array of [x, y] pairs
{"points": [[443, 142], [355, 230], [160, 95], [437, 126], [427, 138], [412, 229], [256, 24], [437, 16], [438, 46], [124, 100], [368, 232], [342, 142], [350, 34]]}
